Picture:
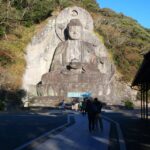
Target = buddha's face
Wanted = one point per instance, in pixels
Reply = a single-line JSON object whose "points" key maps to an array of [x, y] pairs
{"points": [[75, 32]]}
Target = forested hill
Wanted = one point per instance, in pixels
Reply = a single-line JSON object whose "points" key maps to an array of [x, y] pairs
{"points": [[21, 19]]}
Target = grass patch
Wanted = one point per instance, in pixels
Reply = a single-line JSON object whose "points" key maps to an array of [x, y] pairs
{"points": [[15, 45], [128, 104]]}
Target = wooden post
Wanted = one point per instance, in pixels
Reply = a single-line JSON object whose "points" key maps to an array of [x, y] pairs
{"points": [[141, 102], [146, 101]]}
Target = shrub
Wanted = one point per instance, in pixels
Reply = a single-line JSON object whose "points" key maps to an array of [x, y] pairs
{"points": [[6, 58], [90, 5], [11, 100], [128, 104], [2, 31], [1, 105]]}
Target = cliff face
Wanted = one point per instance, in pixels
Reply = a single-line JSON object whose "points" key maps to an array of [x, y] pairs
{"points": [[122, 36], [41, 53]]}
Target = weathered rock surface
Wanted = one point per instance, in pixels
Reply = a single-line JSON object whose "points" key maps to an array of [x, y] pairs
{"points": [[68, 57], [39, 56]]}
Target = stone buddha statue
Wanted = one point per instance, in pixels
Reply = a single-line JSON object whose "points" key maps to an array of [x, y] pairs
{"points": [[79, 63], [74, 54]]}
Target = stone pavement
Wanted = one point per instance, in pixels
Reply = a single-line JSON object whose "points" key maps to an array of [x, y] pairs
{"points": [[77, 137]]}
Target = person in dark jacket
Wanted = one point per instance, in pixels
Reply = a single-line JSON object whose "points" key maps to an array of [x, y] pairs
{"points": [[83, 107], [91, 114], [98, 119]]}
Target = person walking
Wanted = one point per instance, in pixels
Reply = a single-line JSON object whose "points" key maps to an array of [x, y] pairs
{"points": [[83, 107], [98, 118], [91, 114]]}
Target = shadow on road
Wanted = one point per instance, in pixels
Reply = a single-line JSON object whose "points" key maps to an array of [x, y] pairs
{"points": [[18, 128], [135, 131]]}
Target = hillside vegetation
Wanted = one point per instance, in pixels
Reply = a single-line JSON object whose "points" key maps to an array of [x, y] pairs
{"points": [[21, 19], [125, 39]]}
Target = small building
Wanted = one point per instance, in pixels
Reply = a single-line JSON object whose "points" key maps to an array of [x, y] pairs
{"points": [[142, 80]]}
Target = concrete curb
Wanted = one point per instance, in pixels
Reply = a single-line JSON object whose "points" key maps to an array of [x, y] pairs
{"points": [[31, 144], [122, 144]]}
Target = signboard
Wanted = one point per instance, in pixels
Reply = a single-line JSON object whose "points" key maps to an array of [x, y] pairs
{"points": [[78, 94]]}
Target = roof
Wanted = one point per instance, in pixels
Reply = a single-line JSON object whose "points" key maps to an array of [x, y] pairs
{"points": [[143, 74]]}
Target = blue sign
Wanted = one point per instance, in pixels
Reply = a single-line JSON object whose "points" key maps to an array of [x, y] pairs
{"points": [[78, 94]]}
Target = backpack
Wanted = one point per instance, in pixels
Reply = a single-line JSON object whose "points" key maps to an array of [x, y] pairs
{"points": [[94, 108]]}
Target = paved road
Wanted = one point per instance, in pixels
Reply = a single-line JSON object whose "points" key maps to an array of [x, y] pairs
{"points": [[17, 129], [77, 137], [136, 132]]}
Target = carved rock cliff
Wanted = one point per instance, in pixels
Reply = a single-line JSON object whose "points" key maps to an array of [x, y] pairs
{"points": [[51, 52]]}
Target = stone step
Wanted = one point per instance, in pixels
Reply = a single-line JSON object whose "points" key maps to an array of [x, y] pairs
{"points": [[45, 101]]}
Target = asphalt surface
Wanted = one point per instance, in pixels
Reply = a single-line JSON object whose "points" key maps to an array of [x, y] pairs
{"points": [[135, 131], [17, 129], [78, 137]]}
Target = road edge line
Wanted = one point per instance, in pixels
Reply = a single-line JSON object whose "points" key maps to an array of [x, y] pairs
{"points": [[122, 144]]}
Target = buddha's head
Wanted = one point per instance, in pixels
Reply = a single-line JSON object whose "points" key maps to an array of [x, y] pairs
{"points": [[74, 29]]}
